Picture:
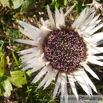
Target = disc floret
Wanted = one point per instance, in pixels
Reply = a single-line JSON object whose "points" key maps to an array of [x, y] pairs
{"points": [[65, 49]]}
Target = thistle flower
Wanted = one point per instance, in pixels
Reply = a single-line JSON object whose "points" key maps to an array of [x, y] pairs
{"points": [[62, 52]]}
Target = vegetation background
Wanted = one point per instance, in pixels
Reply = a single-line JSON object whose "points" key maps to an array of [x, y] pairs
{"points": [[15, 86]]}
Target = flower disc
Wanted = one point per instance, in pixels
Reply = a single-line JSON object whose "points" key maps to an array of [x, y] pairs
{"points": [[65, 49]]}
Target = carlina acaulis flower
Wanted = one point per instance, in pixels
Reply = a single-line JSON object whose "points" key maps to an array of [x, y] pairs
{"points": [[62, 52]]}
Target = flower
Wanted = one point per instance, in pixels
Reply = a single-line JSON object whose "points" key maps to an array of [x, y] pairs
{"points": [[62, 51]]}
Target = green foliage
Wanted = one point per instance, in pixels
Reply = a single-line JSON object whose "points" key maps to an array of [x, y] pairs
{"points": [[7, 79], [99, 0], [27, 5], [34, 95], [5, 2], [5, 87], [15, 4], [17, 78], [54, 4], [58, 4], [14, 33], [16, 61], [62, 2], [79, 6], [3, 63]]}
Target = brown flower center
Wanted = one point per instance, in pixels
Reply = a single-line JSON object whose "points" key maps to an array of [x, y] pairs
{"points": [[65, 50]]}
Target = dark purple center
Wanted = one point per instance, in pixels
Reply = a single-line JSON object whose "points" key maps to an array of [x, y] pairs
{"points": [[65, 50]]}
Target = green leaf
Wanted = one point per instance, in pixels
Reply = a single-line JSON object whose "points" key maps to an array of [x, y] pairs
{"points": [[52, 5], [27, 5], [4, 77], [3, 64], [2, 91], [7, 87], [5, 2], [17, 78], [57, 5], [65, 2], [17, 3]]}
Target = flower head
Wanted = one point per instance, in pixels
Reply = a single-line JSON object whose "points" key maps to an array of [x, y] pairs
{"points": [[63, 51]]}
